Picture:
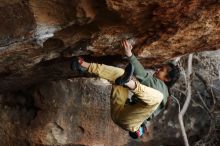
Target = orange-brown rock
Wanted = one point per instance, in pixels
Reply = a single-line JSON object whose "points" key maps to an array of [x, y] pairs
{"points": [[43, 29], [33, 36]]}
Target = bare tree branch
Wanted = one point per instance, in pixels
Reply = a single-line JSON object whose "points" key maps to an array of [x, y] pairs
{"points": [[181, 91], [219, 72], [183, 72], [209, 90], [177, 101], [186, 104], [204, 104]]}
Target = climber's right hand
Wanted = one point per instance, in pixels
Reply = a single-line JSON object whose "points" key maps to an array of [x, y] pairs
{"points": [[127, 48]]}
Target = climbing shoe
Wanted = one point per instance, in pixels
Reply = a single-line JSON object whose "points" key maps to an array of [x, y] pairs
{"points": [[137, 134], [126, 76], [75, 65]]}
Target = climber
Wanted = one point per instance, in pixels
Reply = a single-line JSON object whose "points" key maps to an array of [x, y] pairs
{"points": [[151, 90]]}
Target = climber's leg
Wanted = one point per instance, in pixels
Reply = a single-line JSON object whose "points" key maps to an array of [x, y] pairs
{"points": [[109, 73], [130, 117], [148, 95], [119, 95]]}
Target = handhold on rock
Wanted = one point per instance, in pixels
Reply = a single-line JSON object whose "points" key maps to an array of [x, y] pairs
{"points": [[80, 46]]}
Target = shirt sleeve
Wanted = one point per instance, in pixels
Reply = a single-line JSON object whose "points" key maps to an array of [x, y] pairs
{"points": [[139, 70]]}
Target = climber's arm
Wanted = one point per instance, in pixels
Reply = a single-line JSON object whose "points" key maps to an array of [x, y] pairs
{"points": [[139, 70]]}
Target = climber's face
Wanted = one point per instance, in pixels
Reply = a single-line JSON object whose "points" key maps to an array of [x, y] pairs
{"points": [[162, 73]]}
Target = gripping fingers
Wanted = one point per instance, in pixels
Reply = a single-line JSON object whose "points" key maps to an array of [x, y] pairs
{"points": [[129, 46]]}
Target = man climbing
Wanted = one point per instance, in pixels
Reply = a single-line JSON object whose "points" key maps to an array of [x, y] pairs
{"points": [[150, 90]]}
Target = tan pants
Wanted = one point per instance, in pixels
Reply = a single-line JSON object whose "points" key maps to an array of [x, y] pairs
{"points": [[128, 117]]}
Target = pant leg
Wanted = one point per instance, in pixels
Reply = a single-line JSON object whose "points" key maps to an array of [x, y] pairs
{"points": [[147, 94], [109, 73], [119, 94], [130, 117]]}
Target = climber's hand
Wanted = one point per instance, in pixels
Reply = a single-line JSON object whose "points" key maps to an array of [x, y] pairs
{"points": [[127, 47]]}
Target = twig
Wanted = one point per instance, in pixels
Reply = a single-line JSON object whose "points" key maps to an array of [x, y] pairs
{"points": [[184, 73], [186, 104], [219, 72], [213, 97], [177, 101], [182, 92], [204, 104], [209, 90], [214, 87], [196, 104], [176, 60]]}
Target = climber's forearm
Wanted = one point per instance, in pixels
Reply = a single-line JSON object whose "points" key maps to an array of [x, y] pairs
{"points": [[139, 70]]}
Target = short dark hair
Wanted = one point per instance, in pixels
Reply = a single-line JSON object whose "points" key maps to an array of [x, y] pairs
{"points": [[173, 75]]}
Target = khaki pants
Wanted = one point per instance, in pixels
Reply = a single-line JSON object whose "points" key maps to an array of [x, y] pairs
{"points": [[128, 117]]}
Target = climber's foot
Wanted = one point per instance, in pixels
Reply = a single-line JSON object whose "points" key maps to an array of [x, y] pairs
{"points": [[126, 77], [137, 134], [75, 65]]}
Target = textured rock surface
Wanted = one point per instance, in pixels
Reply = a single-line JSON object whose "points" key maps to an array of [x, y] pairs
{"points": [[44, 28], [76, 112], [34, 34]]}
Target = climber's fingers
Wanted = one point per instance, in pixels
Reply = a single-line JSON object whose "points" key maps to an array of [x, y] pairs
{"points": [[123, 44], [128, 45]]}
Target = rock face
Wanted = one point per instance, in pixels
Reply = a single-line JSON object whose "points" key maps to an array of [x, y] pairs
{"points": [[34, 34], [76, 112], [44, 28]]}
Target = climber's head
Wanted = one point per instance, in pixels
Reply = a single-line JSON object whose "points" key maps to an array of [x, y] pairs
{"points": [[169, 73]]}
